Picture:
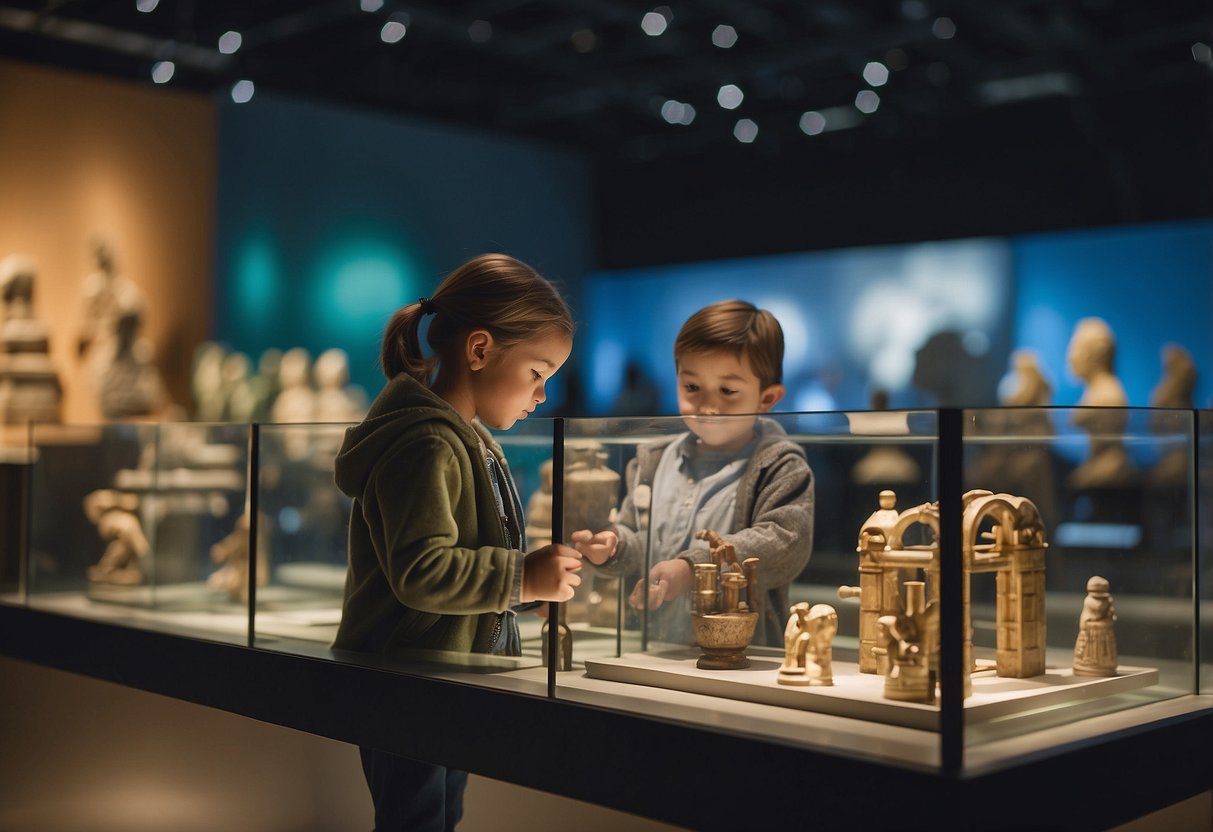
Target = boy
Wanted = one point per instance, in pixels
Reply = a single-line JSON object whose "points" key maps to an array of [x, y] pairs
{"points": [[739, 476]]}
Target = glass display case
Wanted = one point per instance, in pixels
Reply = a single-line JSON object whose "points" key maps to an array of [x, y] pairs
{"points": [[127, 522], [929, 577]]}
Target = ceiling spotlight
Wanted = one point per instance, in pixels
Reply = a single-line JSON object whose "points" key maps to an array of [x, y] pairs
{"points": [[146, 6], [745, 130], [371, 5], [813, 123], [876, 73], [724, 36], [1202, 53], [480, 31], [229, 42], [392, 31], [242, 91], [677, 112], [162, 71], [653, 23], [730, 96], [867, 101], [671, 111], [943, 28]]}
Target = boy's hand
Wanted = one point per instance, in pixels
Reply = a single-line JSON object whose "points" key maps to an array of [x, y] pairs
{"points": [[550, 574], [667, 580], [597, 548]]}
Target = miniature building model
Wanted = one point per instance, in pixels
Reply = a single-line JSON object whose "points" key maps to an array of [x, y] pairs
{"points": [[1013, 548]]}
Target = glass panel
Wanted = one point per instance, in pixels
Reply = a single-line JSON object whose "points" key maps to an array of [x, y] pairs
{"points": [[722, 640], [303, 559], [302, 524], [15, 462], [1204, 526], [124, 517], [1103, 618]]}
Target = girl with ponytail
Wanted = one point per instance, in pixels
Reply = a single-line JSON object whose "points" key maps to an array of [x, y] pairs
{"points": [[437, 548]]}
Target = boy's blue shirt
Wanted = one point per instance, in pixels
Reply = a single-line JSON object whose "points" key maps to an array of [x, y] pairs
{"points": [[772, 520]]}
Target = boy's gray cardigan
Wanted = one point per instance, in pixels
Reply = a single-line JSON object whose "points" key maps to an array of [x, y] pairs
{"points": [[773, 520]]}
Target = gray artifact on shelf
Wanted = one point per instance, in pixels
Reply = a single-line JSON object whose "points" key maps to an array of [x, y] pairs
{"points": [[30, 390]]}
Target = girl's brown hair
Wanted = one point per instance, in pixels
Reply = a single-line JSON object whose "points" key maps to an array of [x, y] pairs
{"points": [[740, 327], [494, 292]]}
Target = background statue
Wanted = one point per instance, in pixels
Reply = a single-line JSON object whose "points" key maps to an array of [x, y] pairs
{"points": [[106, 295], [1092, 358], [29, 385], [125, 374]]}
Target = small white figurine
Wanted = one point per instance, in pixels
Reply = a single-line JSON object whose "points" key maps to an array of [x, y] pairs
{"points": [[1095, 650]]}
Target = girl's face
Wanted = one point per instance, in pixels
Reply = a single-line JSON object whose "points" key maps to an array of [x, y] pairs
{"points": [[718, 383], [508, 382]]}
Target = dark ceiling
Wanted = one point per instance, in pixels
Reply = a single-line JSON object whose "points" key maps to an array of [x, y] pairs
{"points": [[584, 73]]}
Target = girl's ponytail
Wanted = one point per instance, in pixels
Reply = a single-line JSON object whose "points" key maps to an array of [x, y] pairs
{"points": [[401, 350]]}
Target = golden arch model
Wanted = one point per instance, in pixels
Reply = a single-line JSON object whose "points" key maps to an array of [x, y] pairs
{"points": [[1002, 533]]}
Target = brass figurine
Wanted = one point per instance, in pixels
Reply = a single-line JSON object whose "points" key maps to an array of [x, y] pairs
{"points": [[723, 612]]}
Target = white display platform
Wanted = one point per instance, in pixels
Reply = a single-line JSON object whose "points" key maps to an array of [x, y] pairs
{"points": [[861, 695]]}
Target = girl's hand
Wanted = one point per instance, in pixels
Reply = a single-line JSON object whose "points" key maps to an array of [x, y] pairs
{"points": [[597, 548], [667, 580], [550, 574]]}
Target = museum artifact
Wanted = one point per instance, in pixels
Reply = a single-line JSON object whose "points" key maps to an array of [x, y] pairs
{"points": [[125, 374], [29, 384], [336, 399], [231, 554], [883, 463], [1176, 389], [1091, 357], [116, 516], [1014, 551], [722, 619], [296, 400], [106, 294], [591, 489], [908, 651], [809, 645], [1095, 649]]}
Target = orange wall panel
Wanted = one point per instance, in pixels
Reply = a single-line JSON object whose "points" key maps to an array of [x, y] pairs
{"points": [[82, 157]]}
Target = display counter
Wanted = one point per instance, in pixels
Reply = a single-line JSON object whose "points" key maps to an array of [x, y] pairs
{"points": [[964, 679]]}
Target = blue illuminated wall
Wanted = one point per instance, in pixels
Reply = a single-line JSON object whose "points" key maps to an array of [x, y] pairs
{"points": [[330, 219], [1152, 284], [854, 320], [909, 319]]}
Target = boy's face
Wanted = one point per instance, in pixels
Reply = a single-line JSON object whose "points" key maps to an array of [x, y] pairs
{"points": [[717, 383]]}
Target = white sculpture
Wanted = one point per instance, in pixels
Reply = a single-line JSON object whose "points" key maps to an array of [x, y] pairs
{"points": [[336, 400], [1095, 649]]}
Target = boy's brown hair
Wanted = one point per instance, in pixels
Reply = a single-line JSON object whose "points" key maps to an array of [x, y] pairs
{"points": [[738, 326]]}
